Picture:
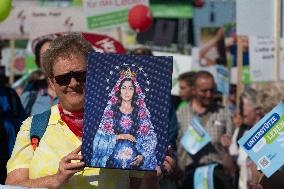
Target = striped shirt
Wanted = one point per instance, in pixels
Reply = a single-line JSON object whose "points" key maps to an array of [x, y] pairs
{"points": [[216, 121]]}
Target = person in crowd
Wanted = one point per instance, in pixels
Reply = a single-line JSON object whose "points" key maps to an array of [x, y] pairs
{"points": [[56, 162], [142, 51], [232, 98], [185, 88], [38, 96], [217, 123], [254, 105], [11, 117], [250, 114]]}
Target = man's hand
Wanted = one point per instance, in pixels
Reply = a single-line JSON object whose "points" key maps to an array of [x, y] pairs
{"points": [[168, 165], [67, 169]]}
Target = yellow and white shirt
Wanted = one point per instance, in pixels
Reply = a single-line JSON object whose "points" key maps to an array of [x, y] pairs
{"points": [[57, 141]]}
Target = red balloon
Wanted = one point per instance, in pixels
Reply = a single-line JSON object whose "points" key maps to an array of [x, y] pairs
{"points": [[140, 18]]}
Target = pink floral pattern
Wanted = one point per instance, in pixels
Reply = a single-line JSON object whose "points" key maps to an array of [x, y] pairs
{"points": [[109, 113], [140, 102], [142, 114], [125, 122], [107, 126], [144, 129], [115, 88], [138, 90], [113, 100]]}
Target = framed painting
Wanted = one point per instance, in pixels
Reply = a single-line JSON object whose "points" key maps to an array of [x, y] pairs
{"points": [[126, 111]]}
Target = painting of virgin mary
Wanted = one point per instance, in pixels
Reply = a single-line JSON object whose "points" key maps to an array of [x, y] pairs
{"points": [[125, 138]]}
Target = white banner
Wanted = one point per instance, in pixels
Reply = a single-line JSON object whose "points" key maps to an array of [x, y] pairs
{"points": [[262, 59], [46, 20], [28, 20], [255, 17]]}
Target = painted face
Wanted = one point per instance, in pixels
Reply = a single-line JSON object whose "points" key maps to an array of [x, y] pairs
{"points": [[127, 91], [249, 113], [70, 94], [185, 91], [204, 90]]}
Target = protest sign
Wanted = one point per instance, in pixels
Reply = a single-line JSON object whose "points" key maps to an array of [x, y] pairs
{"points": [[195, 138], [106, 13], [264, 142]]}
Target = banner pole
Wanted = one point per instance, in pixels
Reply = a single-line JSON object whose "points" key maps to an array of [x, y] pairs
{"points": [[277, 37], [240, 71]]}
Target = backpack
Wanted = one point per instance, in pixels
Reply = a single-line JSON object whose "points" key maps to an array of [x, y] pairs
{"points": [[38, 127]]}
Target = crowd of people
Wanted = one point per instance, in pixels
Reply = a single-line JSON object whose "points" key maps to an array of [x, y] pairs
{"points": [[56, 162]]}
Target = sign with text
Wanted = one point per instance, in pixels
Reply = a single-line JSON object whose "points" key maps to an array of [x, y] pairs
{"points": [[262, 59], [36, 21], [264, 143], [195, 138], [105, 13], [69, 19], [256, 13]]}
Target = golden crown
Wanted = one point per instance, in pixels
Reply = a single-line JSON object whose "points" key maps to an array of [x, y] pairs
{"points": [[127, 73]]}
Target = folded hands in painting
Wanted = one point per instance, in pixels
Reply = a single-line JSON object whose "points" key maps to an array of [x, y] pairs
{"points": [[126, 137]]}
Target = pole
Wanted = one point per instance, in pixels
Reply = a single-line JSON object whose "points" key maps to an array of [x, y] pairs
{"points": [[277, 37], [240, 71], [11, 59]]}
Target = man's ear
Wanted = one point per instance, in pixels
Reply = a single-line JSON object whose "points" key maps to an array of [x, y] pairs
{"points": [[51, 83]]}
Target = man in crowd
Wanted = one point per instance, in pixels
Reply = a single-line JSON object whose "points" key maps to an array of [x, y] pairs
{"points": [[57, 162], [185, 88], [217, 123]]}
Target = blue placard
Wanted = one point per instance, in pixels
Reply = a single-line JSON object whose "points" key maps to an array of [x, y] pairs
{"points": [[204, 177], [195, 137], [264, 143]]}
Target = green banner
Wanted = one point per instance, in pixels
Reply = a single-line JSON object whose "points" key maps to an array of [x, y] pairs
{"points": [[273, 133], [107, 19], [246, 74], [172, 10]]}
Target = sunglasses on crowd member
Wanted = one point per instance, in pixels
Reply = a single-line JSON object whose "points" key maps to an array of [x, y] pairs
{"points": [[65, 79]]}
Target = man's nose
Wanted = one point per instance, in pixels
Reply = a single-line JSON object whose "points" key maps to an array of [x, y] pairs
{"points": [[73, 82]]}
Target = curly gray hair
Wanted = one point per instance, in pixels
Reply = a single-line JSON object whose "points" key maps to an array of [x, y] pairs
{"points": [[64, 47]]}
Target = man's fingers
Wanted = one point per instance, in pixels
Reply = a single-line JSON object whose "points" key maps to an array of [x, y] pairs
{"points": [[68, 158], [74, 166], [77, 150], [159, 171], [168, 168], [170, 160], [170, 150]]}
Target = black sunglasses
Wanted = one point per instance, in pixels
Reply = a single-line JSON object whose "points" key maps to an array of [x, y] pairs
{"points": [[65, 79]]}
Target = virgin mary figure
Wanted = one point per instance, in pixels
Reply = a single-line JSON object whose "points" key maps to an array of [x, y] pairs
{"points": [[125, 138]]}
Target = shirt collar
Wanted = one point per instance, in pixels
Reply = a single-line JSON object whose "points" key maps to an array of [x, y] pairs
{"points": [[54, 116]]}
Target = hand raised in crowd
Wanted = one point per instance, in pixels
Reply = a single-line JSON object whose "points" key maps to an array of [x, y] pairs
{"points": [[226, 141], [67, 168]]}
